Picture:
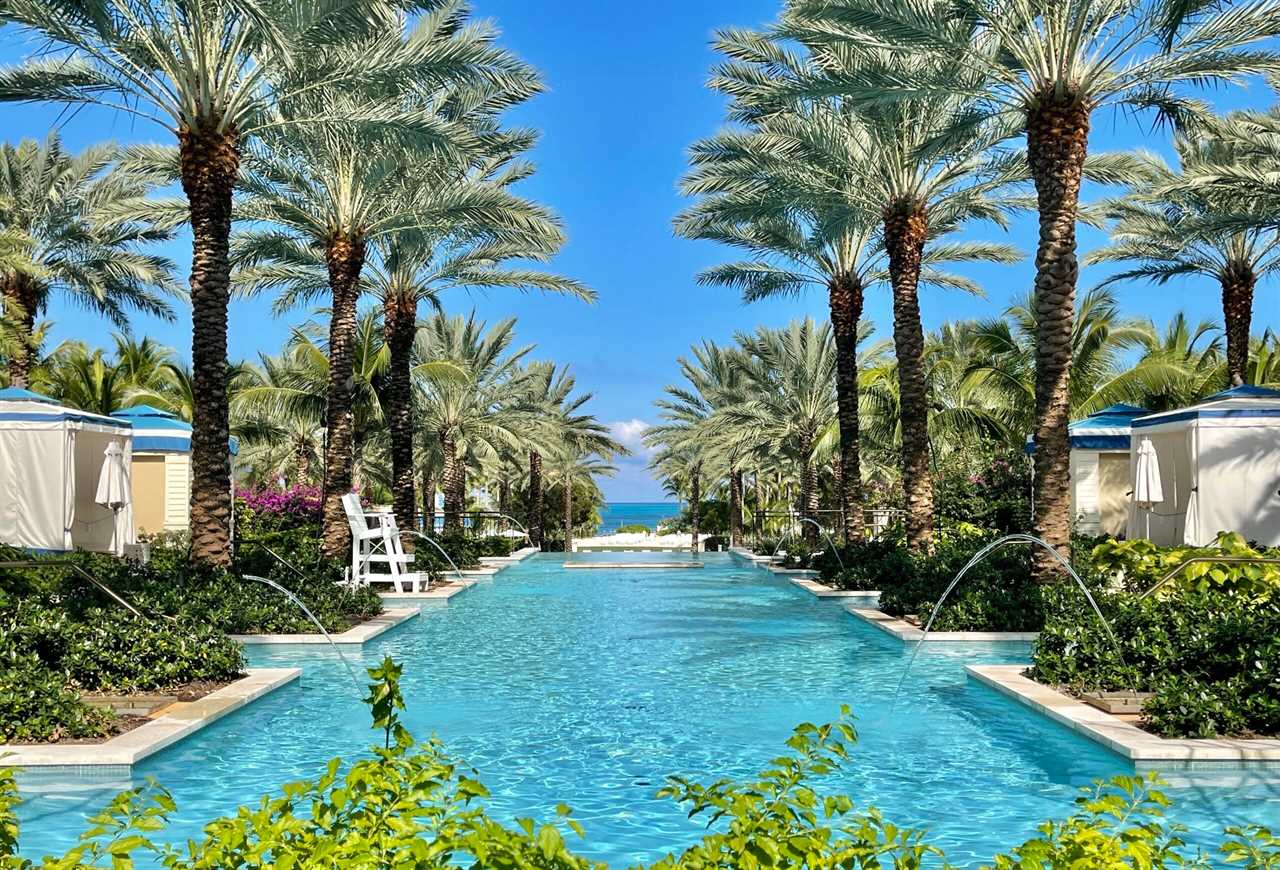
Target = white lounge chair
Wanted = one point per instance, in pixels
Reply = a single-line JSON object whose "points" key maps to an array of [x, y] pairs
{"points": [[375, 540]]}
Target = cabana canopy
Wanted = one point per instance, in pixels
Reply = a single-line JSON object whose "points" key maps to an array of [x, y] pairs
{"points": [[1107, 429], [160, 431], [1219, 464], [51, 462]]}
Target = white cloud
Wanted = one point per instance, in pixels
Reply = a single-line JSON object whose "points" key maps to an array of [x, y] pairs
{"points": [[630, 433]]}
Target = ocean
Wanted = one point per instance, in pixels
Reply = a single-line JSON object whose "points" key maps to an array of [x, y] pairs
{"points": [[615, 514]]}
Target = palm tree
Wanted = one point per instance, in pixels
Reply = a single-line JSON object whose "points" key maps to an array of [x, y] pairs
{"points": [[1166, 227], [87, 380], [922, 167], [1102, 341], [478, 410], [80, 223], [212, 74], [693, 445], [582, 454], [326, 195], [791, 208], [791, 400], [289, 394], [416, 267], [1046, 68], [547, 404]]}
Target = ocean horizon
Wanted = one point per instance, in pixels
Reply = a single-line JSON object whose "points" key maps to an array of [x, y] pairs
{"points": [[616, 514]]}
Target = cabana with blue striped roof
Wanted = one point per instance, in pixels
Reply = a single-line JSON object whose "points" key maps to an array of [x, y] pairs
{"points": [[1218, 464], [1100, 479], [161, 468], [52, 460]]}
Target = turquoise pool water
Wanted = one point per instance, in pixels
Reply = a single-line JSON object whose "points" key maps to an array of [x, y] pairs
{"points": [[588, 687]]}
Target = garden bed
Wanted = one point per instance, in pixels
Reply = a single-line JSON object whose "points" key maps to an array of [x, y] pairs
{"points": [[176, 722], [132, 710], [1120, 733]]}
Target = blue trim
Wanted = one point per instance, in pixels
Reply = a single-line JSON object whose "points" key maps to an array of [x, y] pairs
{"points": [[17, 394], [1245, 391], [1205, 413], [172, 444], [1089, 442], [29, 417], [158, 444]]}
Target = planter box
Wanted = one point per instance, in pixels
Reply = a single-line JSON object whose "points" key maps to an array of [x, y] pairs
{"points": [[1118, 703]]}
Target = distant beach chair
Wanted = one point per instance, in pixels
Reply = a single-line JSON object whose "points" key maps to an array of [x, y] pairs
{"points": [[375, 541]]}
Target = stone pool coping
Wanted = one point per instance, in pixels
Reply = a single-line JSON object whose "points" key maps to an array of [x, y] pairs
{"points": [[454, 585], [629, 566], [750, 556], [791, 572], [177, 721], [354, 636], [441, 592], [1115, 733], [821, 590], [906, 632]]}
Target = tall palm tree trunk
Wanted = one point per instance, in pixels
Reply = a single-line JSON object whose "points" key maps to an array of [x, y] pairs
{"points": [[21, 300], [345, 259], [534, 520], [757, 516], [568, 516], [845, 298], [454, 483], [906, 226], [209, 163], [1237, 314], [735, 507], [695, 504], [428, 502], [400, 316], [1057, 141], [808, 489], [504, 494], [302, 461]]}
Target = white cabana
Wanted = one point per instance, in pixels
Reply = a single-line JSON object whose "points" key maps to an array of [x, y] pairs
{"points": [[51, 465], [1219, 470], [1100, 479], [161, 468]]}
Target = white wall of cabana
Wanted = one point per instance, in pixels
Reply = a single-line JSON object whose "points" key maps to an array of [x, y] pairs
{"points": [[1217, 468], [52, 461], [1100, 477], [161, 468]]}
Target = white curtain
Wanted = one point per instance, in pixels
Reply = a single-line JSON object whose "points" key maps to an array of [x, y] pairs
{"points": [[1191, 522]]}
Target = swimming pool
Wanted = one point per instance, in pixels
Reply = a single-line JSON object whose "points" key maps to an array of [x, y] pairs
{"points": [[588, 687]]}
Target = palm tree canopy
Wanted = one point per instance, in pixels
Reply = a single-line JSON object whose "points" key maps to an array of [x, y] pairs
{"points": [[77, 224]]}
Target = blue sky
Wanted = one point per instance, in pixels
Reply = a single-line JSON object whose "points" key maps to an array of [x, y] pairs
{"points": [[626, 97]]}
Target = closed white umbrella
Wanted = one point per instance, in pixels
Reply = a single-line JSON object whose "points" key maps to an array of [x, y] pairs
{"points": [[114, 493], [1147, 491]]}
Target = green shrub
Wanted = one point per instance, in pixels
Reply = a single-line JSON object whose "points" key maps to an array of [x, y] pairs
{"points": [[106, 648], [36, 706], [996, 496], [996, 595], [634, 529], [1139, 564], [1119, 825], [1212, 658], [869, 565]]}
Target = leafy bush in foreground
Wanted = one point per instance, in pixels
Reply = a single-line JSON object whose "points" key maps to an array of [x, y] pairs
{"points": [[415, 807]]}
